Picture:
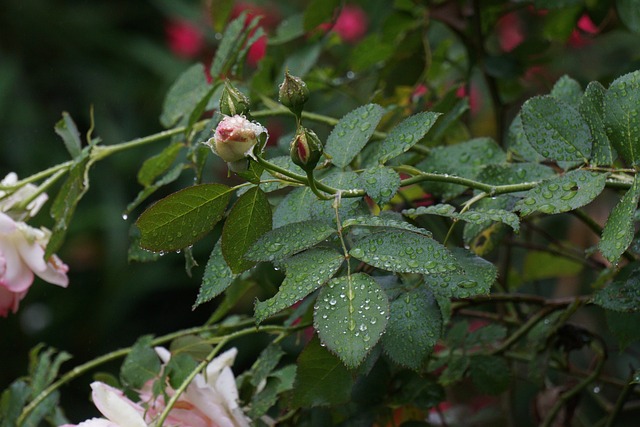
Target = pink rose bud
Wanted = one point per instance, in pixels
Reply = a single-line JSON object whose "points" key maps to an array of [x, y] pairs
{"points": [[235, 138], [306, 149]]}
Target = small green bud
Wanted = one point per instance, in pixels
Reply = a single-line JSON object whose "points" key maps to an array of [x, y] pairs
{"points": [[306, 149], [233, 101], [293, 93]]}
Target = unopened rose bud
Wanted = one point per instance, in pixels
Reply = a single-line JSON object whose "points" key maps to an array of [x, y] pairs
{"points": [[306, 149], [235, 138], [233, 101], [293, 93]]}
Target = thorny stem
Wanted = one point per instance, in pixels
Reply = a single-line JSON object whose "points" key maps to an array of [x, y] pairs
{"points": [[312, 185]]}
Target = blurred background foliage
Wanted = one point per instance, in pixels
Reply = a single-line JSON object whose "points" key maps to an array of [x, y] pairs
{"points": [[120, 57]]}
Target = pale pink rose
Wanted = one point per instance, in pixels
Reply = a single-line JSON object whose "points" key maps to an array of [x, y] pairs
{"points": [[118, 410], [235, 137], [211, 400], [22, 255], [184, 38]]}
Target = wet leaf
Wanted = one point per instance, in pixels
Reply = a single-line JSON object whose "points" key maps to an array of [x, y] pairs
{"points": [[217, 276], [287, 240], [567, 90], [563, 193], [295, 207], [351, 134], [474, 216], [475, 277], [629, 13], [465, 160], [383, 221], [404, 136], [182, 218], [621, 295], [622, 118], [380, 183], [268, 177], [514, 173], [321, 378], [349, 206], [414, 327], [249, 218], [350, 316], [624, 327], [591, 108], [618, 232], [519, 144], [404, 252], [156, 165], [305, 273], [556, 130]]}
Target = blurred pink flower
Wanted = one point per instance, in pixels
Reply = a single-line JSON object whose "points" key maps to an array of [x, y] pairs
{"points": [[510, 33], [580, 36], [184, 38], [474, 98], [351, 25], [22, 246]]}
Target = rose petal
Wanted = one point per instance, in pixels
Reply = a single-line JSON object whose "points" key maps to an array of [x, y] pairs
{"points": [[17, 276], [116, 407]]}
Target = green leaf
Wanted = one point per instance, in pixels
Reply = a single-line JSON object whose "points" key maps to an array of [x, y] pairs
{"points": [[295, 207], [217, 277], [155, 166], [350, 315], [67, 130], [383, 222], [43, 369], [514, 173], [404, 136], [64, 205], [621, 295], [454, 370], [285, 241], [617, 234], [414, 327], [193, 345], [518, 143], [265, 363], [380, 183], [539, 265], [404, 252], [629, 14], [624, 327], [621, 116], [144, 194], [490, 374], [14, 399], [289, 29], [348, 206], [370, 51], [556, 130], [567, 90], [283, 162], [555, 4], [563, 193], [321, 378], [465, 160], [182, 218], [351, 133], [249, 218], [184, 95], [220, 12], [231, 47], [474, 216], [318, 12], [476, 278], [591, 108], [179, 367], [141, 364], [305, 273]]}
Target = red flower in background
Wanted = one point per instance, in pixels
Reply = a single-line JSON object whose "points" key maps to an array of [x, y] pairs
{"points": [[474, 98], [584, 28], [510, 33], [184, 38], [351, 25]]}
